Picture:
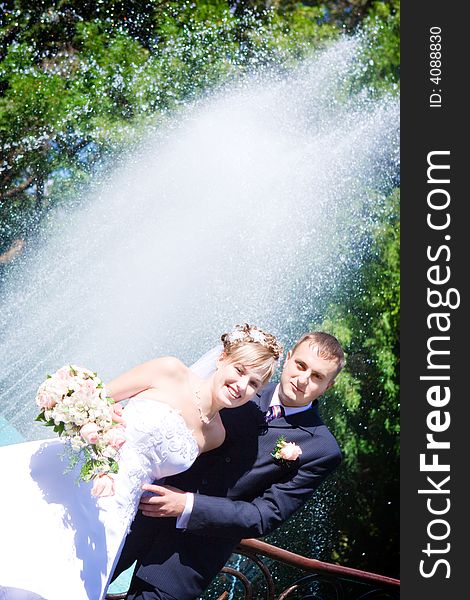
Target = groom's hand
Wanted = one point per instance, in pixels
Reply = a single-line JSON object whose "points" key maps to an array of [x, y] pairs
{"points": [[168, 501]]}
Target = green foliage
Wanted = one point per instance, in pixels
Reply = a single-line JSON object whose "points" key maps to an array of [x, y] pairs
{"points": [[80, 82], [363, 407], [382, 28], [88, 468], [41, 418]]}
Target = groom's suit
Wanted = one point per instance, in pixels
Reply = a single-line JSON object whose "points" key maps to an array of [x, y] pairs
{"points": [[241, 491]]}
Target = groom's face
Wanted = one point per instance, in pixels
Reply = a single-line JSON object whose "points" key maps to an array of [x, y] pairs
{"points": [[305, 376]]}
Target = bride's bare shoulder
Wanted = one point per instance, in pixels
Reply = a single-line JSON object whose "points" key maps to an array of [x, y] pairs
{"points": [[168, 366]]}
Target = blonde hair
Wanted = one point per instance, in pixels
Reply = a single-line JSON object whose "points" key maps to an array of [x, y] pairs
{"points": [[253, 347]]}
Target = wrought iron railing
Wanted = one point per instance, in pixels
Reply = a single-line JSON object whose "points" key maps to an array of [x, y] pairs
{"points": [[315, 580]]}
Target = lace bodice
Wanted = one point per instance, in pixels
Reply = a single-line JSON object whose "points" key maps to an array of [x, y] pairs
{"points": [[158, 444]]}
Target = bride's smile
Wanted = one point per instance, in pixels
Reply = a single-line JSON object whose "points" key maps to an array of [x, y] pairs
{"points": [[233, 393]]}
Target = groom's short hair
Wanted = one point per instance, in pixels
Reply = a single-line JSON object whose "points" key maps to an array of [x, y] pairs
{"points": [[326, 344]]}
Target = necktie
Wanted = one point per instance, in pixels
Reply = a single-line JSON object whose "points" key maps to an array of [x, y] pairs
{"points": [[274, 412]]}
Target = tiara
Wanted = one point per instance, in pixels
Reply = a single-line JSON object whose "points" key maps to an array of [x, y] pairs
{"points": [[251, 333]]}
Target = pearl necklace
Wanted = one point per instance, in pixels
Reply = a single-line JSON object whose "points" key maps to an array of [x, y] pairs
{"points": [[205, 420]]}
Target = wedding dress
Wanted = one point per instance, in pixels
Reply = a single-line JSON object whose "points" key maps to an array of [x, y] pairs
{"points": [[56, 539]]}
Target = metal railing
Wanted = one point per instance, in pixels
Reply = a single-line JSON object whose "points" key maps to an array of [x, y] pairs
{"points": [[316, 580]]}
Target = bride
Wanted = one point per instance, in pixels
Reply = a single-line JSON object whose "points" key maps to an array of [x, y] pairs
{"points": [[58, 540]]}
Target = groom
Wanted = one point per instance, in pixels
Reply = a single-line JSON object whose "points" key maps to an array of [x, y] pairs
{"points": [[239, 490]]}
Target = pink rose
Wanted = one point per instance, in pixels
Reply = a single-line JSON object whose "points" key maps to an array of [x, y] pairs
{"points": [[45, 400], [103, 485], [290, 451], [84, 389], [89, 386], [89, 433], [50, 392], [63, 373], [115, 437]]}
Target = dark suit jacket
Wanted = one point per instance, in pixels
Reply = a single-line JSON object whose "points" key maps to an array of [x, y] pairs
{"points": [[241, 492]]}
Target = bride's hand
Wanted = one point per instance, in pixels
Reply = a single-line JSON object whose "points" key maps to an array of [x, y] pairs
{"points": [[168, 501], [116, 410], [103, 485]]}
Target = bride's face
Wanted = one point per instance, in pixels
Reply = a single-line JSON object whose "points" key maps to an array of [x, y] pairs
{"points": [[234, 383]]}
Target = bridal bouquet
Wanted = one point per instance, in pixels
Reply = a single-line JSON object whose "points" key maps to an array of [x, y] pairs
{"points": [[73, 401]]}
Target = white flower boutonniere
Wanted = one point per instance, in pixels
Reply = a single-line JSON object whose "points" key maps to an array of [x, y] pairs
{"points": [[286, 452]]}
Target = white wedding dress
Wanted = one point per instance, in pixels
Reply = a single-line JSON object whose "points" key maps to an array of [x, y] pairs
{"points": [[56, 539]]}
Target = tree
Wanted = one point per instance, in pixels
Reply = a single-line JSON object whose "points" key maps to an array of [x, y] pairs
{"points": [[79, 81], [363, 408]]}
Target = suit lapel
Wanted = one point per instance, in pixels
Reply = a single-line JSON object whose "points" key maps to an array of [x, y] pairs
{"points": [[265, 396]]}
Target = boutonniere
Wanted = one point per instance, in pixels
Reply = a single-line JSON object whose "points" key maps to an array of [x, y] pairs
{"points": [[286, 452]]}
